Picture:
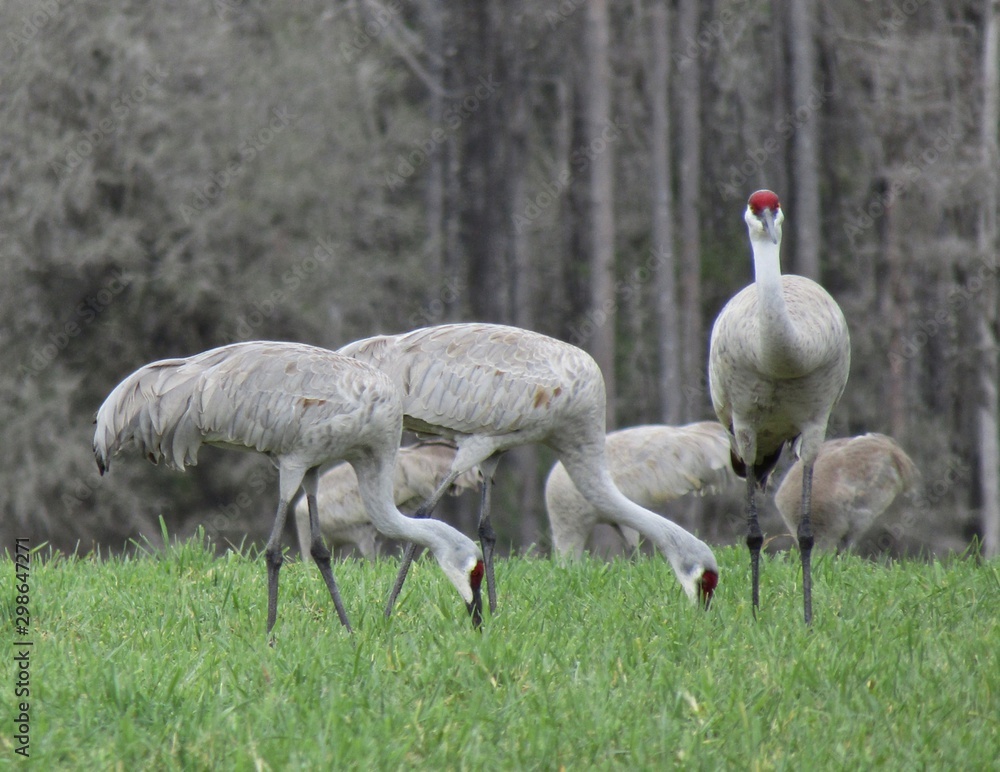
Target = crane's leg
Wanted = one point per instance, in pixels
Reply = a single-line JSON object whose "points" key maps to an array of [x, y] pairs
{"points": [[319, 551], [487, 537], [755, 538], [424, 510], [805, 535], [288, 483]]}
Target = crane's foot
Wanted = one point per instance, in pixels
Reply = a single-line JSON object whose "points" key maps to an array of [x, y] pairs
{"points": [[321, 556], [755, 539], [273, 559], [488, 540], [805, 547]]}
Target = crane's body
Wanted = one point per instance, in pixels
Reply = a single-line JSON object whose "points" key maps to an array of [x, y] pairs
{"points": [[855, 480], [343, 517], [779, 359], [305, 408], [652, 465], [491, 388]]}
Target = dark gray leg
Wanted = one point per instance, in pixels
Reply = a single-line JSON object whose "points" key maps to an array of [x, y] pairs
{"points": [[318, 550], [424, 510], [806, 541], [755, 538]]}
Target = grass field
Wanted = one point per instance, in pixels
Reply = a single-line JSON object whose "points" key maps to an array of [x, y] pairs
{"points": [[161, 662]]}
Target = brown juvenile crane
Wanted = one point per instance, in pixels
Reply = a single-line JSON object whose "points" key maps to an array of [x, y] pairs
{"points": [[778, 363], [342, 514], [855, 480], [303, 407], [491, 388], [652, 465]]}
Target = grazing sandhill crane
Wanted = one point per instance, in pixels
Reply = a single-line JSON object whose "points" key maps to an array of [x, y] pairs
{"points": [[490, 388], [855, 480], [778, 362], [342, 514], [304, 408], [652, 465]]}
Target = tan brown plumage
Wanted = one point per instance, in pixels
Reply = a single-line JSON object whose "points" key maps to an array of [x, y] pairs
{"points": [[855, 480], [305, 408], [491, 388], [652, 465], [343, 518]]}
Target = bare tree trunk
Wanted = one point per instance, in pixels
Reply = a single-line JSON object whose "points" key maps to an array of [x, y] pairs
{"points": [[663, 227], [896, 304], [602, 223], [523, 274], [437, 159], [989, 447], [689, 98], [807, 225]]}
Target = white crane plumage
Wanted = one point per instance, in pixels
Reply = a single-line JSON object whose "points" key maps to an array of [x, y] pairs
{"points": [[303, 407], [342, 514], [491, 388], [855, 480], [652, 465], [778, 363]]}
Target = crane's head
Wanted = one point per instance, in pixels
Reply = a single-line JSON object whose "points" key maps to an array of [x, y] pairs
{"points": [[463, 565], [699, 578], [764, 216]]}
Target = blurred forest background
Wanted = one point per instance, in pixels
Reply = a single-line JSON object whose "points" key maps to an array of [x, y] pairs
{"points": [[176, 176]]}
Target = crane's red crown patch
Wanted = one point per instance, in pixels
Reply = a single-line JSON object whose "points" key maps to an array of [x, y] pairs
{"points": [[764, 199]]}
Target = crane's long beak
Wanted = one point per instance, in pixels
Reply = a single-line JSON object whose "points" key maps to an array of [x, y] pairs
{"points": [[769, 225], [476, 608]]}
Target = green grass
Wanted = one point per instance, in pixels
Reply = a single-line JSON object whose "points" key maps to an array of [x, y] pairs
{"points": [[162, 662]]}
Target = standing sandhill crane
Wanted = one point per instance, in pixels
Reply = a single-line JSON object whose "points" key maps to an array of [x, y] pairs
{"points": [[342, 514], [303, 407], [491, 388], [855, 479], [652, 465], [778, 363]]}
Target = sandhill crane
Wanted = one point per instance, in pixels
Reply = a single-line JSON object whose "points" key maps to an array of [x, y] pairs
{"points": [[342, 514], [855, 479], [491, 388], [304, 408], [652, 465], [778, 362]]}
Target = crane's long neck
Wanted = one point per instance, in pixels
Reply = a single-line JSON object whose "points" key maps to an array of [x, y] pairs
{"points": [[780, 348], [375, 483], [680, 548]]}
